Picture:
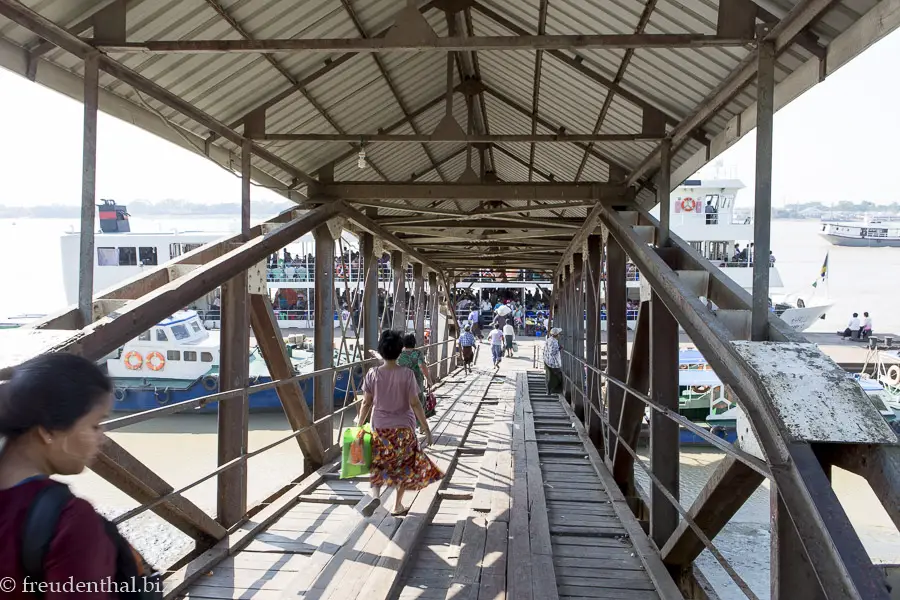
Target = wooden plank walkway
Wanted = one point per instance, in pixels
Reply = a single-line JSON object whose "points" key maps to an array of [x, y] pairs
{"points": [[527, 511]]}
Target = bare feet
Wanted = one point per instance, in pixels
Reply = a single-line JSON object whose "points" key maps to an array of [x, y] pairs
{"points": [[400, 510]]}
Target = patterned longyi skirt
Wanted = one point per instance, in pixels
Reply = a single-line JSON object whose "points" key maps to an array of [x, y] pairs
{"points": [[397, 461]]}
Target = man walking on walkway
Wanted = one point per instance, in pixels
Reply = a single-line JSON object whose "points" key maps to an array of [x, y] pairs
{"points": [[496, 338], [553, 362]]}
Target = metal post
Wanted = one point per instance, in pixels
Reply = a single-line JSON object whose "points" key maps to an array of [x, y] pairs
{"points": [[577, 321], [369, 307], [762, 214], [616, 331], [443, 327], [565, 314], [664, 446], [399, 273], [88, 188], [234, 415], [419, 295], [593, 284], [792, 576], [433, 307], [323, 348], [663, 186]]}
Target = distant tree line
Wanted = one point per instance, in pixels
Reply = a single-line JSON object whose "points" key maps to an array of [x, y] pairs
{"points": [[145, 208], [845, 206]]}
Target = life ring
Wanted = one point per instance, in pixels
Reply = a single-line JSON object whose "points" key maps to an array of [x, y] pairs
{"points": [[133, 361], [688, 204], [210, 383], [339, 271], [893, 375], [700, 389], [155, 365], [119, 394], [162, 396]]}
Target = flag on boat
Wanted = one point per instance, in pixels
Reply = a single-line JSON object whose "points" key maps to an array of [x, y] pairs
{"points": [[824, 272]]}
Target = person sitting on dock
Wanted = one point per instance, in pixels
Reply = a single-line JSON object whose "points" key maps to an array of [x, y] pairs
{"points": [[852, 327], [51, 410], [391, 397], [866, 329]]}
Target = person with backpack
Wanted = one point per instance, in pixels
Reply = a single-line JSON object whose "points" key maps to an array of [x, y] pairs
{"points": [[51, 410]]}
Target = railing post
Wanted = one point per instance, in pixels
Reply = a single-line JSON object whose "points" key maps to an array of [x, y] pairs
{"points": [[419, 299], [593, 282], [762, 213], [791, 575], [323, 343], [88, 189], [565, 315], [443, 322], [616, 332], [370, 314], [434, 352], [234, 360], [577, 324], [664, 432], [398, 322]]}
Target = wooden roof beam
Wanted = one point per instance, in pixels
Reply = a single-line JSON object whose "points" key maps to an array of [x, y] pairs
{"points": [[584, 192]]}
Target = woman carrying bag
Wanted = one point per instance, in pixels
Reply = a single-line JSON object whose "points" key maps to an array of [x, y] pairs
{"points": [[391, 397], [553, 362]]}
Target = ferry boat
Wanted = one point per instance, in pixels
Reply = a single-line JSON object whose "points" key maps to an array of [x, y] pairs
{"points": [[873, 232], [178, 360]]}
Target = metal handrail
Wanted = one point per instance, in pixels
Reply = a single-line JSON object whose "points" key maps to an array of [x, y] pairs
{"points": [[730, 449]]}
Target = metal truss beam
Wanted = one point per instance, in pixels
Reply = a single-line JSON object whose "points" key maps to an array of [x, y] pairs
{"points": [[471, 191], [566, 138]]}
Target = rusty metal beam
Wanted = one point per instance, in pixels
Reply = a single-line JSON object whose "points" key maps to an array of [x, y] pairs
{"points": [[351, 191], [386, 138], [476, 76], [568, 225], [536, 84], [323, 342], [88, 188], [27, 18], [783, 35], [426, 210], [437, 44]]}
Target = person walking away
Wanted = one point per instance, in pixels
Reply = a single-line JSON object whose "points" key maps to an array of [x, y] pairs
{"points": [[415, 360], [474, 321], [852, 326], [391, 397], [467, 348], [51, 410], [553, 362], [509, 335], [496, 339]]}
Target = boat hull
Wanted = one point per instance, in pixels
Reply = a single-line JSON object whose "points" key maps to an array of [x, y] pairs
{"points": [[802, 319], [131, 399], [861, 242]]}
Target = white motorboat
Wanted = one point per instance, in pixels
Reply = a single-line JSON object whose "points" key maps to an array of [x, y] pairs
{"points": [[873, 232]]}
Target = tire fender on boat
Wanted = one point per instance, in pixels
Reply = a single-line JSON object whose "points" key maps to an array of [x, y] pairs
{"points": [[210, 383], [893, 375], [163, 396], [119, 394]]}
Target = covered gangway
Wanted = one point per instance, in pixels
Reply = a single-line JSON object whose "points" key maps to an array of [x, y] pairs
{"points": [[457, 135]]}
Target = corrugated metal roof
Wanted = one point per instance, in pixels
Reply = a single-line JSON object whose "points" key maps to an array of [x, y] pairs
{"points": [[355, 97]]}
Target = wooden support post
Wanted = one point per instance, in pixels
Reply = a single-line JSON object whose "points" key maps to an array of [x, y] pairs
{"points": [[271, 344], [762, 214], [632, 413], [370, 316], [323, 343], [444, 329], [419, 296], [565, 339], [593, 284], [664, 446], [234, 414], [616, 328], [398, 322], [88, 188], [246, 155], [577, 324], [662, 192], [433, 308]]}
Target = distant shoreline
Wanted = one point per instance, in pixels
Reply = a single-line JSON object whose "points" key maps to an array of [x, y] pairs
{"points": [[142, 210]]}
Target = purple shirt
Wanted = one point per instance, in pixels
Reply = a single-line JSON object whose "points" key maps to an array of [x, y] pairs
{"points": [[391, 390]]}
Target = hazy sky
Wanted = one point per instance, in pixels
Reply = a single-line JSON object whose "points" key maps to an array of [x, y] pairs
{"points": [[836, 142]]}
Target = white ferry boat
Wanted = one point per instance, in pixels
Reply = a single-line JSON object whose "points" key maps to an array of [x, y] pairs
{"points": [[872, 232]]}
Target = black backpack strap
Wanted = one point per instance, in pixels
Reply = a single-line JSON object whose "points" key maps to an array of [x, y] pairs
{"points": [[40, 527]]}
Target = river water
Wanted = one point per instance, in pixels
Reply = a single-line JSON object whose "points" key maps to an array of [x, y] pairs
{"points": [[182, 448]]}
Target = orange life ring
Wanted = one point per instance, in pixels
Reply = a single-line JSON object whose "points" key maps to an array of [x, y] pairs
{"points": [[133, 361], [339, 271], [688, 204], [156, 365]]}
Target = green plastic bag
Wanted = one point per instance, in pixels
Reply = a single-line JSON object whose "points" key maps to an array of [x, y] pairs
{"points": [[348, 438]]}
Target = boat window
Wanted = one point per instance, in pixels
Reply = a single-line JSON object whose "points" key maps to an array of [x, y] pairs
{"points": [[206, 357], [148, 255], [107, 257], [127, 257], [173, 355], [161, 335], [190, 355], [180, 332], [196, 326], [145, 337]]}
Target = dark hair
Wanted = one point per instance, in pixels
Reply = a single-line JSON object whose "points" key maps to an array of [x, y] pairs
{"points": [[390, 345], [409, 340], [865, 314], [855, 314], [52, 391]]}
